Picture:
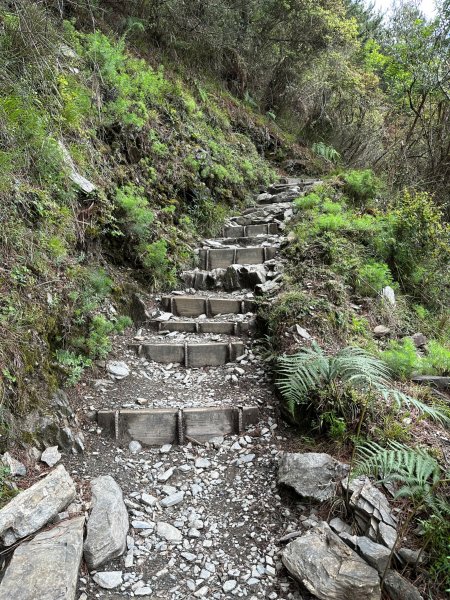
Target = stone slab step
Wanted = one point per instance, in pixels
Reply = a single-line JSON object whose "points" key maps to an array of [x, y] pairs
{"points": [[188, 306], [211, 354], [237, 231], [236, 328], [233, 278], [155, 427], [220, 258]]}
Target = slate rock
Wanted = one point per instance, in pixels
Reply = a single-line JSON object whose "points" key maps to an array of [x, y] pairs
{"points": [[312, 475], [36, 506], [400, 588], [376, 555], [108, 524], [411, 557], [419, 340], [118, 368], [328, 568], [47, 566]]}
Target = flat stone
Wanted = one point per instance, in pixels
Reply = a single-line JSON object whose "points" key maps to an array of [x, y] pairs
{"points": [[47, 566], [339, 526], [51, 456], [108, 524], [389, 294], [15, 466], [118, 368], [400, 588], [375, 554], [149, 500], [143, 591], [134, 447], [202, 463], [387, 535], [36, 506], [328, 568], [172, 500], [411, 557], [108, 580], [381, 331], [312, 475], [165, 449], [169, 532], [229, 585]]}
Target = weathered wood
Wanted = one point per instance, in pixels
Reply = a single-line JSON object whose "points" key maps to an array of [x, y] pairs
{"points": [[153, 427], [203, 424]]}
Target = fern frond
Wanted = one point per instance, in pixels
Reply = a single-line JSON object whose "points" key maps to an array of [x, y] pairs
{"points": [[402, 400], [414, 468]]}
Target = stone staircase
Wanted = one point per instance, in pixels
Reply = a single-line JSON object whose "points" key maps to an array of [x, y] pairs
{"points": [[210, 323]]}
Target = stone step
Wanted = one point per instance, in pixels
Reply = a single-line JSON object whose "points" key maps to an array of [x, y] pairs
{"points": [[233, 278], [220, 258], [194, 306], [236, 328], [237, 231], [209, 354], [155, 427]]}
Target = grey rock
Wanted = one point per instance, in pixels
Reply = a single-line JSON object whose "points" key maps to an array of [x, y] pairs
{"points": [[312, 475], [434, 381], [399, 588], [108, 524], [15, 466], [419, 340], [148, 499], [339, 526], [108, 580], [118, 368], [229, 585], [172, 500], [375, 554], [138, 310], [61, 405], [51, 456], [36, 506], [136, 524], [168, 532], [381, 331], [303, 332], [328, 568], [387, 535], [411, 557], [134, 447], [202, 463], [47, 566]]}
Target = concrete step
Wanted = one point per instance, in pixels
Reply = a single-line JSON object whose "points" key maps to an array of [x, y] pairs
{"points": [[209, 354], [220, 258], [243, 241], [236, 328], [155, 427], [237, 231], [194, 306]]}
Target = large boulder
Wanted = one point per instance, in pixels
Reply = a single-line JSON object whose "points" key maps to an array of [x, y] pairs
{"points": [[312, 475], [400, 588], [46, 567], [36, 506], [328, 568], [108, 524]]}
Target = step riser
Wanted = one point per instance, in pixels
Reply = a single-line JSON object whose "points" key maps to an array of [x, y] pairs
{"points": [[191, 355], [251, 230], [221, 258], [222, 328], [155, 427], [183, 306], [244, 241], [236, 277]]}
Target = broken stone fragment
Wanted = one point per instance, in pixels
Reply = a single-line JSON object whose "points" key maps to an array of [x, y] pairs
{"points": [[36, 506], [312, 475], [46, 567], [15, 466], [108, 524], [51, 456], [328, 568], [400, 588]]}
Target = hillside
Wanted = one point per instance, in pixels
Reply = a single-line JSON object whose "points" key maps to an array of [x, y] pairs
{"points": [[254, 194]]}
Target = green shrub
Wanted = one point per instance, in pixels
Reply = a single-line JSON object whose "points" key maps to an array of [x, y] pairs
{"points": [[307, 202], [332, 222], [155, 260], [72, 364], [361, 186], [401, 358], [436, 360], [371, 278], [137, 212], [331, 207]]}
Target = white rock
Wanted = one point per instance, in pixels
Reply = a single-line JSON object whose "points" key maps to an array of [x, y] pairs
{"points": [[172, 500], [118, 368], [108, 579], [15, 466], [168, 532], [229, 585], [51, 456], [134, 447], [165, 449]]}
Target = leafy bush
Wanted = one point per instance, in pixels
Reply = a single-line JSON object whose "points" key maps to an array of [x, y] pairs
{"points": [[137, 213], [73, 365], [331, 207], [307, 202], [327, 152], [401, 358], [437, 360], [371, 278], [154, 258], [332, 222], [361, 186]]}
